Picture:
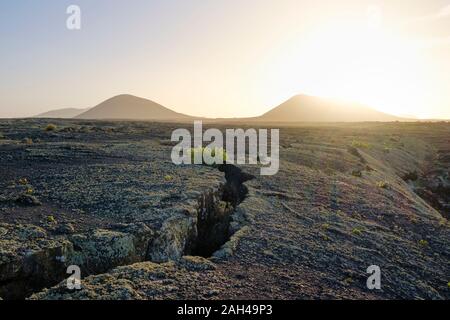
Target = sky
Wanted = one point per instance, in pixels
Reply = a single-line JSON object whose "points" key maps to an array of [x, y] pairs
{"points": [[226, 58]]}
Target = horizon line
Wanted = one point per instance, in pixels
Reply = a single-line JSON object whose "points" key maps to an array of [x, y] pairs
{"points": [[405, 118]]}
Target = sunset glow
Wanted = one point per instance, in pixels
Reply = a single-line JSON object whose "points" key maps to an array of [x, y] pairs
{"points": [[230, 58], [368, 66]]}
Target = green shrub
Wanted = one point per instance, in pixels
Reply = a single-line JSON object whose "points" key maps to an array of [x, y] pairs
{"points": [[423, 243], [383, 184], [357, 173], [360, 144], [348, 281], [202, 151], [50, 127], [27, 140], [325, 226], [357, 231], [340, 213]]}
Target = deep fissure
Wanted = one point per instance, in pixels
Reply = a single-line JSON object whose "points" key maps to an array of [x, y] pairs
{"points": [[213, 231], [214, 216]]}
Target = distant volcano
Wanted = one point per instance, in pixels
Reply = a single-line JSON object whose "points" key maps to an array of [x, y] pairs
{"points": [[128, 107], [65, 113], [300, 108], [303, 108]]}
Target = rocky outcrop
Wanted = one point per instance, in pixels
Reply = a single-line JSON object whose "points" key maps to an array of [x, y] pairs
{"points": [[31, 259], [203, 227], [105, 249], [187, 278], [172, 239], [200, 227]]}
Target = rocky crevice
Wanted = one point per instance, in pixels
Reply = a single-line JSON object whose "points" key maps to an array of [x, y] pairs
{"points": [[433, 183], [205, 226], [94, 253], [200, 228]]}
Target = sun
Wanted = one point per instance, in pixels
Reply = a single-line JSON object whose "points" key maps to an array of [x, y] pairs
{"points": [[373, 66]]}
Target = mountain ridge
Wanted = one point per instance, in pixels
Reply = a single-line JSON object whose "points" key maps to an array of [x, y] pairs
{"points": [[305, 108], [63, 113], [129, 107], [299, 108]]}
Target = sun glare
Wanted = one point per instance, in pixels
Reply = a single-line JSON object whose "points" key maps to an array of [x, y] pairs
{"points": [[372, 66]]}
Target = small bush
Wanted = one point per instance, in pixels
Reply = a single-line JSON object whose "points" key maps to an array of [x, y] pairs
{"points": [[423, 243], [51, 219], [357, 231], [168, 178], [357, 173], [23, 181], [27, 140], [213, 152], [413, 220], [383, 185], [360, 144], [340, 213], [348, 281], [50, 127], [325, 226]]}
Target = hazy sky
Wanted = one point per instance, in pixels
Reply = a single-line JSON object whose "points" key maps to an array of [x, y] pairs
{"points": [[225, 58]]}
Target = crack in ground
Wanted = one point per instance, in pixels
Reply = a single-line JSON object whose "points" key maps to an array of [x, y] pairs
{"points": [[209, 232], [213, 222]]}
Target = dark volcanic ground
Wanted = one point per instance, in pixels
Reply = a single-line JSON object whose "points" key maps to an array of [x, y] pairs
{"points": [[106, 196]]}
